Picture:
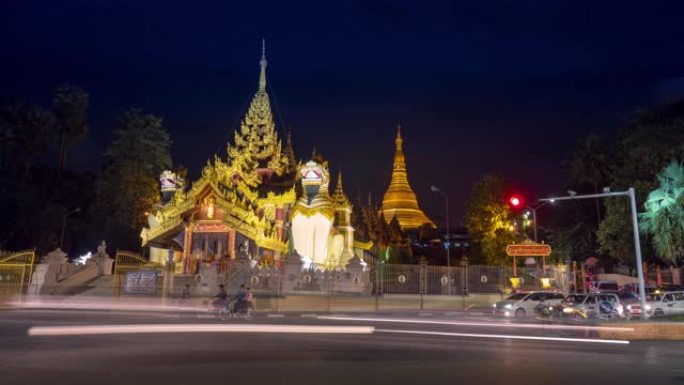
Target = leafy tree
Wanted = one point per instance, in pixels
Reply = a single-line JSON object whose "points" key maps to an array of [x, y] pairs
{"points": [[663, 219], [651, 141], [25, 133], [69, 108], [590, 167], [488, 219], [129, 186]]}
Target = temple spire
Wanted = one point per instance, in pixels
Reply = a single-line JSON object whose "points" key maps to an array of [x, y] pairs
{"points": [[262, 63], [399, 200], [338, 196]]}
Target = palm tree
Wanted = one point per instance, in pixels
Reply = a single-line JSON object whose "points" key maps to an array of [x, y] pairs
{"points": [[663, 219]]}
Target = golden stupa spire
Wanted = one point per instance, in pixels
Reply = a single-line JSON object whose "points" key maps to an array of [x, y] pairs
{"points": [[338, 196], [257, 135], [262, 63], [399, 200]]}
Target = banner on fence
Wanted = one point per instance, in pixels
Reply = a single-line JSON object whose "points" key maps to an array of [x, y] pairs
{"points": [[141, 282]]}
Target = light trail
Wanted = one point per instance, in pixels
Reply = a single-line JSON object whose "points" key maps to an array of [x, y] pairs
{"points": [[505, 336], [150, 307], [194, 328], [479, 324]]}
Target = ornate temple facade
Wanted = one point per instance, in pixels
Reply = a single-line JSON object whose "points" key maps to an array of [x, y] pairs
{"points": [[258, 205], [399, 200]]}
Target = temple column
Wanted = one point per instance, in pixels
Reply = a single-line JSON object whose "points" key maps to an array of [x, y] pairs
{"points": [[187, 250], [231, 243]]}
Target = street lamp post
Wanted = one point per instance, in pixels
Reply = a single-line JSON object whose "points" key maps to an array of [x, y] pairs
{"points": [[635, 231], [534, 223], [61, 238], [534, 217], [448, 241]]}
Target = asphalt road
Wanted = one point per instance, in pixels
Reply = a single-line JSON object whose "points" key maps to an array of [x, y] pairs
{"points": [[392, 354]]}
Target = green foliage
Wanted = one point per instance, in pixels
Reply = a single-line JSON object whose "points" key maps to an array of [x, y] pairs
{"points": [[590, 164], [654, 138], [139, 153], [26, 131], [663, 219], [488, 220]]}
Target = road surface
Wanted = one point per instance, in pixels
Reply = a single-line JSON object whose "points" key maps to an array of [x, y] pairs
{"points": [[472, 351]]}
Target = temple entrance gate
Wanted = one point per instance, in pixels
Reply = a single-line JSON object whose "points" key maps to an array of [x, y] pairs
{"points": [[127, 262]]}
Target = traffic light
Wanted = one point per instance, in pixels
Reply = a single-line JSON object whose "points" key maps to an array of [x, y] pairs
{"points": [[515, 202]]}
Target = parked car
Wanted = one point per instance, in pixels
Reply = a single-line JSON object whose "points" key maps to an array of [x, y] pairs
{"points": [[522, 304], [593, 305], [659, 304], [599, 286]]}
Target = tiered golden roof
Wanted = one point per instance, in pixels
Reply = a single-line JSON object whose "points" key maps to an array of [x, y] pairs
{"points": [[257, 140], [243, 188], [339, 197], [399, 200]]}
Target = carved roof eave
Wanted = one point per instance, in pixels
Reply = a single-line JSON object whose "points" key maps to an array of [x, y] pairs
{"points": [[288, 197]]}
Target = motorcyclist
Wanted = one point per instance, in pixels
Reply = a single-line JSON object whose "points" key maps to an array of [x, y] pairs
{"points": [[221, 297], [241, 299]]}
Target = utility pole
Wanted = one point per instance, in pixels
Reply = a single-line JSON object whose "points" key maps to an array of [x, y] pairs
{"points": [[448, 241], [635, 230]]}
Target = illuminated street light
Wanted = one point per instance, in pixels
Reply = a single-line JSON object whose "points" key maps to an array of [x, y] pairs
{"points": [[635, 230]]}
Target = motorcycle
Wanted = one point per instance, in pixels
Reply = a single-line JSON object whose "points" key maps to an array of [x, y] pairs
{"points": [[546, 311], [234, 310]]}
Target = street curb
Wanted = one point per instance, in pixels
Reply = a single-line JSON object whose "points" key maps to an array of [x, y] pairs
{"points": [[648, 331]]}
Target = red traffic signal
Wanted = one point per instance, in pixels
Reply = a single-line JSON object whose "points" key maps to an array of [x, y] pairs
{"points": [[514, 201]]}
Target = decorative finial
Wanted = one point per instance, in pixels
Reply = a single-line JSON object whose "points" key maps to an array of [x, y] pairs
{"points": [[399, 140], [262, 63]]}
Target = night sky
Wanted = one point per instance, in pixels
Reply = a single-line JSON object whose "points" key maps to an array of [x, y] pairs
{"points": [[477, 86]]}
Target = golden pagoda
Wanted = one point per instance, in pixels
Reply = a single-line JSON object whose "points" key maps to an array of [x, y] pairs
{"points": [[238, 207], [258, 204], [399, 200]]}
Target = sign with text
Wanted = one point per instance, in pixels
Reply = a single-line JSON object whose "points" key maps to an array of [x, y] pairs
{"points": [[141, 282], [528, 250]]}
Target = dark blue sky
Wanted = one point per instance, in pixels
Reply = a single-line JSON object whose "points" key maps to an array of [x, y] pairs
{"points": [[478, 86]]}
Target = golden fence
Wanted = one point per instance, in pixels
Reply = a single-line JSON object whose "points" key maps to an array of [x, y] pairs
{"points": [[16, 268], [125, 262]]}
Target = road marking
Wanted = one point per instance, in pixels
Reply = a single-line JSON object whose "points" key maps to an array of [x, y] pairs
{"points": [[275, 315], [309, 315], [505, 336], [424, 314], [481, 324], [194, 328]]}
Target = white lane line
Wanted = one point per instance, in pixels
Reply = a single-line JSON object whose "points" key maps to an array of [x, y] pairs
{"points": [[480, 324], [505, 336], [275, 315], [309, 315], [194, 328], [425, 314]]}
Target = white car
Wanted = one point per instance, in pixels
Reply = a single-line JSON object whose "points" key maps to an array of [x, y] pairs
{"points": [[660, 304], [522, 304]]}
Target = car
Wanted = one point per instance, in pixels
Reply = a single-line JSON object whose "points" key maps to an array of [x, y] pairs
{"points": [[599, 286], [659, 304], [581, 306], [523, 303]]}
